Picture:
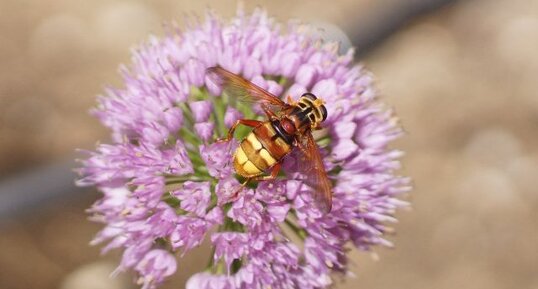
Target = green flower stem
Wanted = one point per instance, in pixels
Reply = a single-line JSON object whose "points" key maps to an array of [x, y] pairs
{"points": [[198, 163], [282, 81], [236, 265], [189, 137], [219, 110], [220, 268], [232, 226], [186, 113], [170, 180], [324, 142], [246, 109], [171, 200], [211, 259], [197, 93], [195, 157], [301, 233], [201, 170]]}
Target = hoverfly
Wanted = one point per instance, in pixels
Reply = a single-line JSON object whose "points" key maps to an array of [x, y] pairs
{"points": [[288, 125]]}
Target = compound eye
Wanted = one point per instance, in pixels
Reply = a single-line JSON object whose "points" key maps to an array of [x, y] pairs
{"points": [[324, 112], [310, 95]]}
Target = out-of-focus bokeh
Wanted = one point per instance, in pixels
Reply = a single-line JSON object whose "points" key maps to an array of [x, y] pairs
{"points": [[462, 79]]}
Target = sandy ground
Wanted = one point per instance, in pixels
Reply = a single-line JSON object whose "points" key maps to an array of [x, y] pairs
{"points": [[463, 82]]}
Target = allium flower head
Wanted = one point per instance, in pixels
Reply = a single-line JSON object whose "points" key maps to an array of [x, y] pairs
{"points": [[168, 186]]}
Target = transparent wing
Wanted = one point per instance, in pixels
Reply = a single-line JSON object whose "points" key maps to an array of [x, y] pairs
{"points": [[311, 165], [247, 91]]}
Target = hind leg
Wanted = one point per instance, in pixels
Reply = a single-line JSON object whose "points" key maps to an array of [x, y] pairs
{"points": [[272, 176], [247, 122], [235, 196]]}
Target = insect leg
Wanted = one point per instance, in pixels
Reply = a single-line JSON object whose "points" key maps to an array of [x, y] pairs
{"points": [[272, 176], [291, 101], [247, 122], [235, 196]]}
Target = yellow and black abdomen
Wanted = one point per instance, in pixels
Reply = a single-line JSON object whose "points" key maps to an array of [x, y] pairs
{"points": [[260, 150]]}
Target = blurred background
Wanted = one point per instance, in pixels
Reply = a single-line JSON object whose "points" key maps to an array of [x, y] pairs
{"points": [[461, 75]]}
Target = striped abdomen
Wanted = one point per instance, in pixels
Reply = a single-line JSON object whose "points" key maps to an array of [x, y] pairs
{"points": [[260, 150]]}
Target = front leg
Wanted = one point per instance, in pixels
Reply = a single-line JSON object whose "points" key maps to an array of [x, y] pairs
{"points": [[247, 122], [291, 101]]}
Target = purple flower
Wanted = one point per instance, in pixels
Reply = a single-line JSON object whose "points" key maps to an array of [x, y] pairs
{"points": [[230, 246], [231, 116], [194, 197], [167, 184], [201, 110], [156, 265]]}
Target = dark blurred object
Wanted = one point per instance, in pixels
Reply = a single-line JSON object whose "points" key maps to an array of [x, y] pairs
{"points": [[25, 192], [369, 31]]}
